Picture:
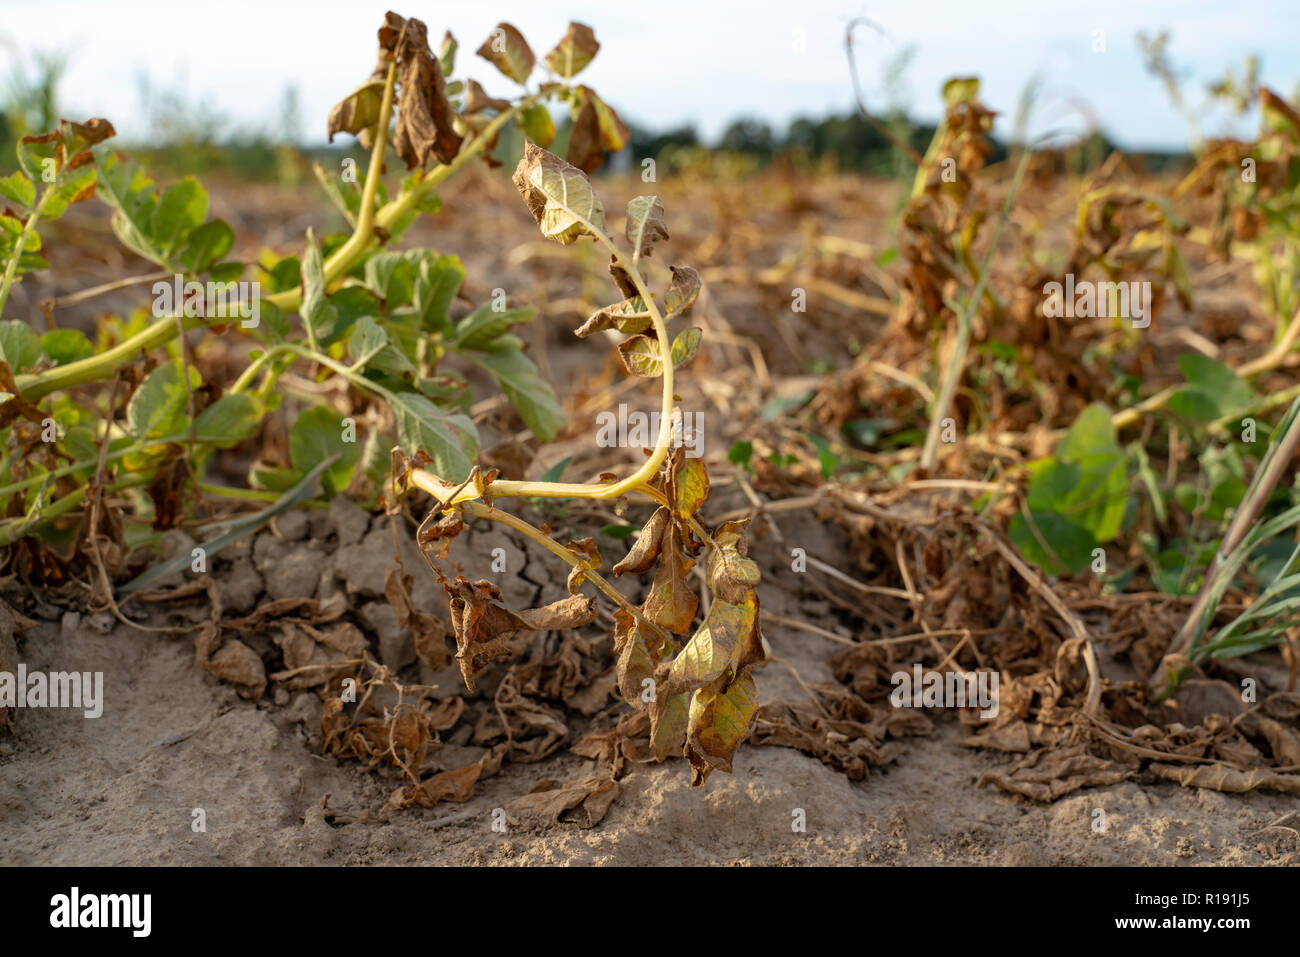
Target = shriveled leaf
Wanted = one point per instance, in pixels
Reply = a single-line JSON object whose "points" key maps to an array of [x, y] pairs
{"points": [[508, 51], [691, 484], [476, 100], [640, 354], [584, 803], [718, 724], [671, 604], [558, 196], [428, 632], [359, 110], [629, 316], [646, 548], [709, 653], [426, 124], [669, 716], [730, 573], [585, 150], [572, 54], [645, 223], [635, 662], [614, 134], [484, 626], [683, 291]]}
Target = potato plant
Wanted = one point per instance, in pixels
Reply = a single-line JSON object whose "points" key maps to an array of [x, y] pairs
{"points": [[131, 411], [700, 695]]}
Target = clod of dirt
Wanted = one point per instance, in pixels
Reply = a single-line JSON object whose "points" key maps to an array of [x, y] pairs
{"points": [[396, 646], [239, 587], [348, 519], [292, 525], [361, 566], [297, 574]]}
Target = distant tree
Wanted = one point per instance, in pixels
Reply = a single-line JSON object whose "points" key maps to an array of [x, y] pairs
{"points": [[749, 135]]}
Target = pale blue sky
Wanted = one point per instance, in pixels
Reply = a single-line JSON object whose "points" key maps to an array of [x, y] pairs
{"points": [[666, 62]]}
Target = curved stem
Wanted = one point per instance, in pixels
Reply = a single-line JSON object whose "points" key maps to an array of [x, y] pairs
{"points": [[102, 366], [634, 482], [347, 255], [480, 510]]}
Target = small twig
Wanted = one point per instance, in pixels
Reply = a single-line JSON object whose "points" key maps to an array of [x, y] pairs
{"points": [[804, 626]]}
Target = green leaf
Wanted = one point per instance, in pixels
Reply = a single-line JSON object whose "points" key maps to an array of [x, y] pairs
{"points": [[332, 185], [66, 345], [316, 435], [450, 439], [485, 324], [33, 151], [285, 274], [447, 53], [1213, 390], [182, 208], [537, 124], [826, 458], [742, 454], [554, 473], [19, 189], [1076, 500], [319, 316], [349, 304], [368, 338], [125, 187], [519, 380], [19, 345], [159, 405], [273, 325], [369, 346], [437, 281], [205, 244], [71, 186], [388, 276], [228, 421]]}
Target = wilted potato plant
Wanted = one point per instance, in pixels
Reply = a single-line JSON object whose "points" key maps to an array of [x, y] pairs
{"points": [[701, 695], [108, 425]]}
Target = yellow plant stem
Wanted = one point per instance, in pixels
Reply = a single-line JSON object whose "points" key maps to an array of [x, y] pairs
{"points": [[608, 490], [481, 510], [35, 386], [363, 237]]}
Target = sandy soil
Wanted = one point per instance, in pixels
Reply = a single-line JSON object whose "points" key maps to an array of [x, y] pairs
{"points": [[121, 789]]}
